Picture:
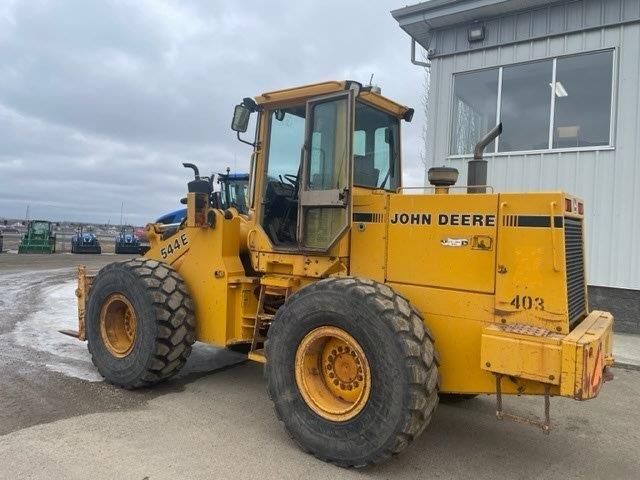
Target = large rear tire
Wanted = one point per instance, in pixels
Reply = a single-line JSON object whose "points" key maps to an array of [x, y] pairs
{"points": [[351, 370], [140, 322]]}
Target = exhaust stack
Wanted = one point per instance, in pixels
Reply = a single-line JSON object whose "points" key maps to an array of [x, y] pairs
{"points": [[477, 168]]}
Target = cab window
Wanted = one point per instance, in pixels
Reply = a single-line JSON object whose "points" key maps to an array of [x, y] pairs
{"points": [[376, 149], [286, 136]]}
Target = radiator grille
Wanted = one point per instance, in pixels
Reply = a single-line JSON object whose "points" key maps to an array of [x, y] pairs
{"points": [[575, 270]]}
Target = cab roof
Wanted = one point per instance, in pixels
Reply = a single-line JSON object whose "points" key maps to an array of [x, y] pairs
{"points": [[294, 95]]}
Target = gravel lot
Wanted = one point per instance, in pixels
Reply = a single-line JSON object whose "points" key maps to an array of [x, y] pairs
{"points": [[59, 420]]}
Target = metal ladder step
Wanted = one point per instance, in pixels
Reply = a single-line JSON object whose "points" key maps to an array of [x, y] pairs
{"points": [[263, 319]]}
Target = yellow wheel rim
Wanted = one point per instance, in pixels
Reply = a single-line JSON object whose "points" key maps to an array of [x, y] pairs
{"points": [[332, 373], [118, 324]]}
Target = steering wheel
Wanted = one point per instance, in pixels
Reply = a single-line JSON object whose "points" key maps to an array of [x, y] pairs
{"points": [[292, 179]]}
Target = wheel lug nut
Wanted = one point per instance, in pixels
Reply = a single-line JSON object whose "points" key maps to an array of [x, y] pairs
{"points": [[359, 378], [329, 367], [355, 384], [336, 382], [334, 352], [331, 375]]}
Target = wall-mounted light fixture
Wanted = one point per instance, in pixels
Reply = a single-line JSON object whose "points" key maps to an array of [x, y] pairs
{"points": [[475, 32]]}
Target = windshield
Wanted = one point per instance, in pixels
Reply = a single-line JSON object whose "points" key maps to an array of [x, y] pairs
{"points": [[234, 194], [376, 148], [40, 227]]}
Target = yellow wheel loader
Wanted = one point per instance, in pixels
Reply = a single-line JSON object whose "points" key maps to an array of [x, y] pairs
{"points": [[367, 301]]}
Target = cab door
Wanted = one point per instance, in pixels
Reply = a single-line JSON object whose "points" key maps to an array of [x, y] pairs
{"points": [[324, 205]]}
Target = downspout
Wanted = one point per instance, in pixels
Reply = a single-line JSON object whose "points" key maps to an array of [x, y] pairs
{"points": [[413, 56]]}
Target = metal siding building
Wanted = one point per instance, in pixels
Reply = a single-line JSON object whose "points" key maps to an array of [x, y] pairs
{"points": [[607, 177]]}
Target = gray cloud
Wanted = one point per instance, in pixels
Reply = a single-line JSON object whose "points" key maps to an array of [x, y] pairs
{"points": [[100, 102]]}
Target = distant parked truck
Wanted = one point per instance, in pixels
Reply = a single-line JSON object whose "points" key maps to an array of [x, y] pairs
{"points": [[39, 238], [85, 242], [128, 242]]}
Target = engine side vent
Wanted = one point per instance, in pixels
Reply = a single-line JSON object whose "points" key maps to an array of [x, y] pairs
{"points": [[573, 244]]}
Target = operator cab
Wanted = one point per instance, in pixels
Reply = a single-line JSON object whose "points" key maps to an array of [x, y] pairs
{"points": [[317, 148]]}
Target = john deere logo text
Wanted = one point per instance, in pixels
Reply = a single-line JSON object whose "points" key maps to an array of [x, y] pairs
{"points": [[453, 219]]}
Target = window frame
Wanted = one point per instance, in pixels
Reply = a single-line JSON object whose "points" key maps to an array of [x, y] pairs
{"points": [[495, 153]]}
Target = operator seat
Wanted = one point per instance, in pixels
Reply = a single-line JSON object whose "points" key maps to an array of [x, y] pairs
{"points": [[365, 174]]}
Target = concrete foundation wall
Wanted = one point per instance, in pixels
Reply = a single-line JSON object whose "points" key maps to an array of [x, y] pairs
{"points": [[622, 303]]}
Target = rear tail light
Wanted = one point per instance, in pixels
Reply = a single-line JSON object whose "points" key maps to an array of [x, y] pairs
{"points": [[580, 208]]}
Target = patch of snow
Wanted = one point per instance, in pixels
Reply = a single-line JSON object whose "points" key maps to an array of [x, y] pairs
{"points": [[75, 371], [40, 331]]}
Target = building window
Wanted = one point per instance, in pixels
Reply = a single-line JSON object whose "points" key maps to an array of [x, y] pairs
{"points": [[474, 109], [582, 100], [543, 105], [525, 107]]}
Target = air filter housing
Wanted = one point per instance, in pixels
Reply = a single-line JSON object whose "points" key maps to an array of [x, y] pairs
{"points": [[442, 176]]}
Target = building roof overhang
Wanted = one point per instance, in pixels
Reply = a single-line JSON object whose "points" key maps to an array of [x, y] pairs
{"points": [[420, 20]]}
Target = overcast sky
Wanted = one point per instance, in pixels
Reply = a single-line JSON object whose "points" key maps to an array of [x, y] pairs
{"points": [[101, 101]]}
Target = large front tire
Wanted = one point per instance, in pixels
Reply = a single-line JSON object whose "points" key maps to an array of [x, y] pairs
{"points": [[389, 374], [140, 322]]}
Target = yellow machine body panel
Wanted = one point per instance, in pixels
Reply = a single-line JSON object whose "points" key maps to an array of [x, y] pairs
{"points": [[456, 239], [531, 284], [368, 235]]}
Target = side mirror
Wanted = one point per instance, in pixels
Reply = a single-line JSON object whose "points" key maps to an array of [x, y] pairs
{"points": [[240, 120]]}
